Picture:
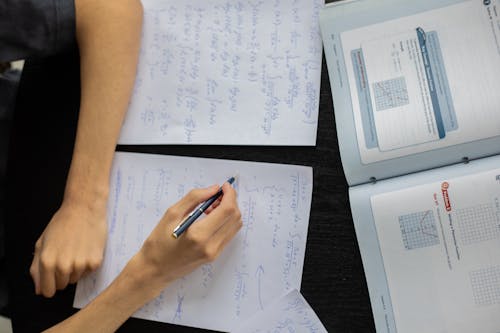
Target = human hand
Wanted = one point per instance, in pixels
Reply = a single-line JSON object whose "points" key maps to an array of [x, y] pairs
{"points": [[165, 259], [71, 245]]}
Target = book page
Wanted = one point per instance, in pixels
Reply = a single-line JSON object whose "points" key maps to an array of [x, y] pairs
{"points": [[290, 313], [263, 262], [425, 81], [432, 248], [227, 72]]}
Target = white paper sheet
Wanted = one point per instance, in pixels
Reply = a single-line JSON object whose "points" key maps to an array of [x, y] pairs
{"points": [[290, 313], [440, 244], [263, 262], [227, 72]]}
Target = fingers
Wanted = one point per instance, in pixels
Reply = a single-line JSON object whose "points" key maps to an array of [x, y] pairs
{"points": [[82, 267], [225, 211], [78, 271], [34, 269], [228, 229], [230, 196], [50, 275], [190, 201], [214, 205], [47, 275], [225, 234], [43, 272], [62, 275]]}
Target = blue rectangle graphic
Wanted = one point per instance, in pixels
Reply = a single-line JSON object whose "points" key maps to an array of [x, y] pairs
{"points": [[441, 84], [430, 81], [365, 103]]}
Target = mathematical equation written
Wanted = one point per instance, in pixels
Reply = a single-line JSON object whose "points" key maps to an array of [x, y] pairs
{"points": [[207, 68], [264, 260]]}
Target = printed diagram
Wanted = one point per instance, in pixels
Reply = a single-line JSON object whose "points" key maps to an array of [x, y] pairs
{"points": [[478, 223], [418, 230], [486, 285], [390, 94]]}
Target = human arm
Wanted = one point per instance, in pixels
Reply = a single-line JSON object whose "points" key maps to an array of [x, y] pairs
{"points": [[108, 36], [161, 260]]}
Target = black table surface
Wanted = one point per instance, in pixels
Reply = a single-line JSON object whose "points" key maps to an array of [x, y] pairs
{"points": [[42, 141]]}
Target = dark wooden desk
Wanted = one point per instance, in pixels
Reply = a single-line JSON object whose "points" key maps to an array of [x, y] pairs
{"points": [[41, 147]]}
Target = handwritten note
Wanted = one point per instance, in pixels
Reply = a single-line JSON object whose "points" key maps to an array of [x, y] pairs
{"points": [[261, 263], [288, 314], [227, 72]]}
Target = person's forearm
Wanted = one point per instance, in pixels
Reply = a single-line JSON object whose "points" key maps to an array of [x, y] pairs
{"points": [[129, 291], [160, 261], [108, 34], [72, 244]]}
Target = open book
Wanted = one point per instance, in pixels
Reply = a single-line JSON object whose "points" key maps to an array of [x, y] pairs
{"points": [[416, 92]]}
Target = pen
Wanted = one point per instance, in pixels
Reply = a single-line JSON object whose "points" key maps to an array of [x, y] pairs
{"points": [[198, 211]]}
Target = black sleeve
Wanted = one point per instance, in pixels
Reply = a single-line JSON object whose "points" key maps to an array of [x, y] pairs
{"points": [[32, 28]]}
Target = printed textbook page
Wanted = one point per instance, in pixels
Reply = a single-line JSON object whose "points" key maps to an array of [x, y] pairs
{"points": [[263, 262], [227, 72], [430, 244], [414, 83], [425, 81]]}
